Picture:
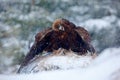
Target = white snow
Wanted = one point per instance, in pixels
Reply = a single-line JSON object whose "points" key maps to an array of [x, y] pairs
{"points": [[10, 42], [110, 19], [57, 62], [100, 23], [79, 9], [118, 23], [4, 27], [104, 67], [96, 24]]}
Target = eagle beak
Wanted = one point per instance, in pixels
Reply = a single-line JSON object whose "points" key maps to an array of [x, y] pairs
{"points": [[61, 28]]}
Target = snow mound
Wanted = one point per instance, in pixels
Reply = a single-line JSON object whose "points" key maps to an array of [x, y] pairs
{"points": [[57, 62], [105, 67]]}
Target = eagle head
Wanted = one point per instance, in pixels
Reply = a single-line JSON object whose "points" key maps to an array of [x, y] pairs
{"points": [[56, 26]]}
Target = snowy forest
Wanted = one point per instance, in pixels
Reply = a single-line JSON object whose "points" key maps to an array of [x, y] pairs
{"points": [[21, 20]]}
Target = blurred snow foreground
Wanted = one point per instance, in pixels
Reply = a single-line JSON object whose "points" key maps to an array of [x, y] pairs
{"points": [[105, 67], [57, 61]]}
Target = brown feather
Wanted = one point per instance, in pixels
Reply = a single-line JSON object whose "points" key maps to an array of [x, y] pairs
{"points": [[83, 33], [63, 34]]}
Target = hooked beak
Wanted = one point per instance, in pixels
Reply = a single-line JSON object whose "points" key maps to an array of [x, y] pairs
{"points": [[61, 28]]}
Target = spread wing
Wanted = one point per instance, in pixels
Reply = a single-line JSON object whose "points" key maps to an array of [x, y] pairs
{"points": [[83, 33], [41, 42], [86, 38], [79, 38]]}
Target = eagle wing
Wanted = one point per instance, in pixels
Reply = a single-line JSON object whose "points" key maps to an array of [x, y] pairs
{"points": [[79, 38], [41, 40], [86, 38], [83, 33]]}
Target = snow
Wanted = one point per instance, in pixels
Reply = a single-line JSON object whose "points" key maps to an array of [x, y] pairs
{"points": [[106, 22], [82, 9], [10, 42], [104, 67], [56, 62], [110, 52], [110, 19], [96, 24], [4, 27], [118, 23]]}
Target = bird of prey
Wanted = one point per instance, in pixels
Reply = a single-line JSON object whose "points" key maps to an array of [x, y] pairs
{"points": [[63, 34]]}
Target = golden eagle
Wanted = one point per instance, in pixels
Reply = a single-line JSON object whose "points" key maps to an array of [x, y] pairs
{"points": [[63, 34]]}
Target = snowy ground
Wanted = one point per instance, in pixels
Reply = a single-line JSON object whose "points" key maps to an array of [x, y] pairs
{"points": [[52, 62], [105, 67]]}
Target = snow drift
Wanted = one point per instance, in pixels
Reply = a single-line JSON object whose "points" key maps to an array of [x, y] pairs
{"points": [[56, 62], [105, 67]]}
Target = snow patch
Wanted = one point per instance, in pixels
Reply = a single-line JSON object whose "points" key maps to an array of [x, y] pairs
{"points": [[50, 63], [96, 24], [10, 42], [110, 52], [4, 27], [104, 67]]}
